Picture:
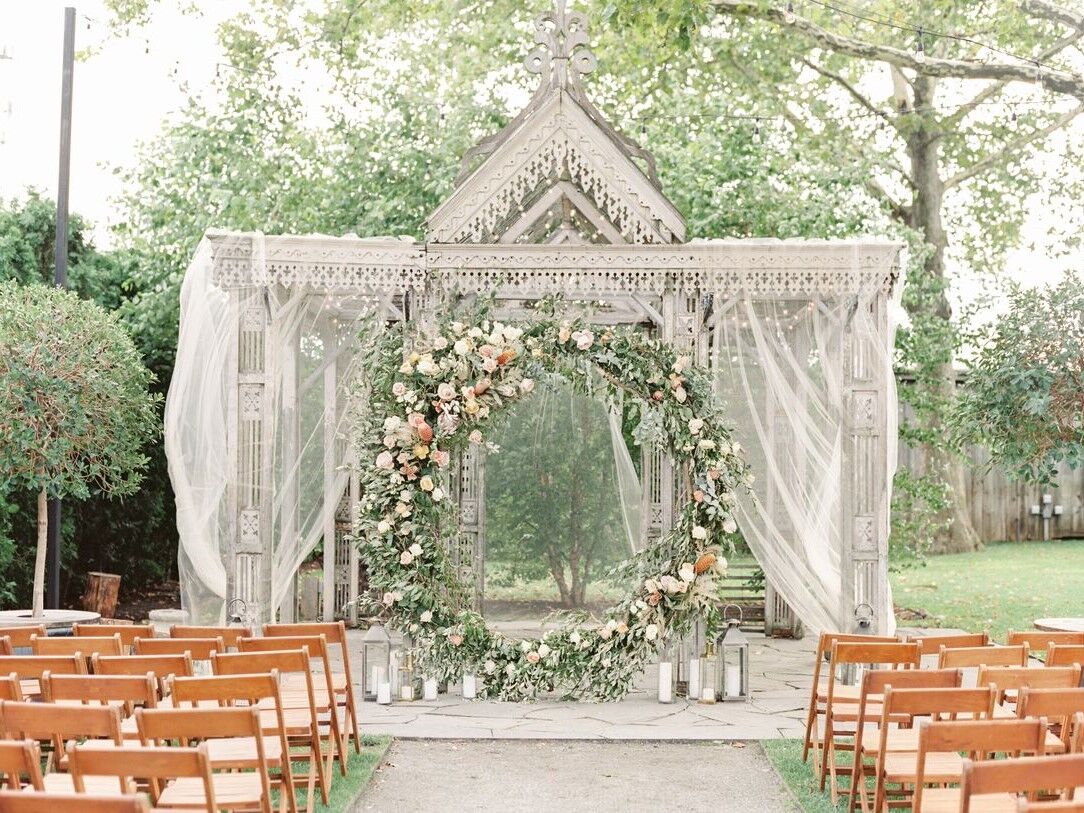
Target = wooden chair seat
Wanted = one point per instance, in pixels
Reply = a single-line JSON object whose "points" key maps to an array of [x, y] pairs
{"points": [[240, 752], [899, 739], [940, 767], [98, 785], [232, 790], [947, 800], [340, 685], [299, 699]]}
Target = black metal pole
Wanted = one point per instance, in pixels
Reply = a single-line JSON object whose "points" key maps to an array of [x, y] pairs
{"points": [[60, 278]]}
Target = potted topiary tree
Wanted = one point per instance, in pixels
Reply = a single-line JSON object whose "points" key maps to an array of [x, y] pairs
{"points": [[75, 410]]}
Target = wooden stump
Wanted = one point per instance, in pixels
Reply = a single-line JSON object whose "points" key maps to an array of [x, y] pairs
{"points": [[101, 594]]}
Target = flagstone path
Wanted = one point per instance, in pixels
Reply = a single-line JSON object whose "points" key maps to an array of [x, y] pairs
{"points": [[572, 776]]}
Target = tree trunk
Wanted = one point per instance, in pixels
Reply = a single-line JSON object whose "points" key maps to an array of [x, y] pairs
{"points": [[39, 559], [923, 148]]}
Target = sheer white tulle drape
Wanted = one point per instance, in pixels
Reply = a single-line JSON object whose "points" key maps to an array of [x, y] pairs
{"points": [[779, 368], [270, 364]]}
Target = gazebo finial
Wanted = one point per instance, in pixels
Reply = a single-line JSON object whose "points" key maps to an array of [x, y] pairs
{"points": [[561, 36]]}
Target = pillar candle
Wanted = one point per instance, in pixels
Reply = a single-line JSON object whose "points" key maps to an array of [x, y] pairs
{"points": [[733, 684], [407, 692], [666, 682], [470, 686], [694, 678], [383, 693], [429, 689], [707, 695]]}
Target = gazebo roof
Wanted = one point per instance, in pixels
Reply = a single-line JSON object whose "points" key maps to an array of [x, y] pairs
{"points": [[558, 172]]}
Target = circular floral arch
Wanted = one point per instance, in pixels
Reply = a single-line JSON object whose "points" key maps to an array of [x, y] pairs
{"points": [[422, 399]]}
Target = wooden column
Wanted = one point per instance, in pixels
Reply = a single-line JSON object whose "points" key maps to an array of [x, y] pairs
{"points": [[328, 334], [290, 417]]}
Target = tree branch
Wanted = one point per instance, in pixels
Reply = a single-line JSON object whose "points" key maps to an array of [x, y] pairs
{"points": [[851, 89], [1058, 81], [993, 89], [1013, 146], [1052, 11]]}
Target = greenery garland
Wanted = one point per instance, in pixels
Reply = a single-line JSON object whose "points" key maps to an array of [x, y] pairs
{"points": [[420, 401]]}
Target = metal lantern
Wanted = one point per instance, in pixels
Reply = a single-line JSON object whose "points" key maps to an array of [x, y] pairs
{"points": [[849, 674], [709, 670], [375, 660], [236, 612], [732, 674], [695, 685]]}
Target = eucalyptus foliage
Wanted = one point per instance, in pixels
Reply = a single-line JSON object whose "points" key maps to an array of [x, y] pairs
{"points": [[75, 412], [1023, 397], [421, 400]]}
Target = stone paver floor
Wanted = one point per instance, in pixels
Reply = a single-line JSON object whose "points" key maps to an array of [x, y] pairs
{"points": [[780, 681], [449, 776]]}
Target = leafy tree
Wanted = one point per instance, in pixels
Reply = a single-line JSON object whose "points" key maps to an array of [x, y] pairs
{"points": [[1023, 397], [553, 505], [75, 412]]}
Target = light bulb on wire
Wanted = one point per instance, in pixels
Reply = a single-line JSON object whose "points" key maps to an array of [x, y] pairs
{"points": [[788, 13], [920, 49]]}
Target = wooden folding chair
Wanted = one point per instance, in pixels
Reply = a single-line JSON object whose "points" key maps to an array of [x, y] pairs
{"points": [[29, 669], [994, 785], [1065, 654], [837, 716], [897, 750], [931, 644], [20, 636], [5, 646], [127, 632], [235, 790], [1058, 806], [1039, 641], [343, 682], [55, 725], [65, 645], [288, 662], [124, 692], [326, 699], [187, 771], [974, 656], [18, 759], [870, 707], [12, 801], [1056, 706], [1011, 679], [229, 635], [818, 693], [11, 688], [940, 745], [251, 690], [199, 649]]}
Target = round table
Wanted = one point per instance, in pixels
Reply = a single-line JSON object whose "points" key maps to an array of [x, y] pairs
{"points": [[1059, 624], [51, 619]]}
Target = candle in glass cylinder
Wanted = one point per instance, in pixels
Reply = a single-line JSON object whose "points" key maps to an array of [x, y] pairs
{"points": [[470, 686], [694, 677], [707, 695], [733, 683], [383, 693], [666, 682], [429, 689], [407, 692]]}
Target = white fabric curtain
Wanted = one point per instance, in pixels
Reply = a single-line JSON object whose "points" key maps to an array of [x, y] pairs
{"points": [[286, 414], [779, 367]]}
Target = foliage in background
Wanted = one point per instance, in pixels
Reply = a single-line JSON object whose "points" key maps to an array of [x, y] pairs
{"points": [[1023, 397], [553, 505], [75, 412], [132, 535]]}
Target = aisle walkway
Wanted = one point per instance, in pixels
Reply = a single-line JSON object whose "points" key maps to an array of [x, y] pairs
{"points": [[594, 777], [780, 683]]}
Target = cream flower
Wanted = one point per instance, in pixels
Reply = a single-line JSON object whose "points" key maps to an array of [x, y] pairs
{"points": [[526, 385], [405, 558], [699, 532], [543, 650], [574, 636], [392, 423], [462, 346], [416, 549], [651, 632], [426, 616], [438, 494], [651, 585], [489, 365], [440, 343], [383, 526], [686, 572], [680, 394], [446, 391], [695, 425], [584, 339], [385, 461], [426, 483], [525, 645], [564, 334], [427, 366], [406, 368], [475, 332], [398, 389], [475, 437], [681, 364], [729, 525], [489, 666], [440, 457], [621, 628]]}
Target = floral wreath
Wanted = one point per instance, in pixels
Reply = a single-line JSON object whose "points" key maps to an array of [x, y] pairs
{"points": [[422, 399]]}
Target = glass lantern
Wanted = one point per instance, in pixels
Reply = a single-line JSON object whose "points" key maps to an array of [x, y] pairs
{"points": [[850, 674], [695, 649], [375, 660], [681, 667], [732, 671], [667, 673]]}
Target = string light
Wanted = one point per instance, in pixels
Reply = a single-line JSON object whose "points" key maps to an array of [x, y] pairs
{"points": [[920, 49], [788, 15]]}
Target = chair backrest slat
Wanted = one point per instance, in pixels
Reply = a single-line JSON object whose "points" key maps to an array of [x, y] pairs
{"points": [[874, 682], [20, 636], [199, 648], [1014, 678], [150, 763], [27, 667], [1039, 640], [1065, 654], [1020, 775], [127, 632], [931, 644], [226, 688], [19, 758], [157, 725], [938, 702], [982, 736], [983, 656], [102, 689], [12, 801], [229, 635], [86, 646]]}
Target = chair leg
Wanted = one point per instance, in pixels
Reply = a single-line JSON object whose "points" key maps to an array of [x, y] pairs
{"points": [[826, 750], [350, 705], [810, 725]]}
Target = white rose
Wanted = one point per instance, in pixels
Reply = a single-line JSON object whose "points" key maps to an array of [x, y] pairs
{"points": [[604, 633], [543, 650], [489, 666], [440, 343], [474, 332], [525, 646], [526, 385], [426, 366], [681, 363], [406, 495], [489, 365], [383, 526], [445, 391], [462, 347], [406, 368], [729, 525], [651, 632], [574, 637], [706, 444], [700, 532], [651, 586], [416, 549], [392, 423], [457, 327], [686, 572], [475, 437], [510, 670], [584, 339], [512, 333], [426, 483], [438, 494], [680, 394], [695, 425], [405, 558], [426, 616]]}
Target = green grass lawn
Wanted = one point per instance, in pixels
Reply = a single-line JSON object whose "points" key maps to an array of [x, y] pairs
{"points": [[786, 758], [1006, 586], [360, 768]]}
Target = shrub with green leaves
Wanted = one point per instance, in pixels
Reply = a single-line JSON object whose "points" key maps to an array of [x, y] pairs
{"points": [[1024, 394], [75, 410]]}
